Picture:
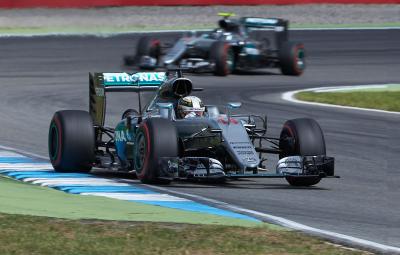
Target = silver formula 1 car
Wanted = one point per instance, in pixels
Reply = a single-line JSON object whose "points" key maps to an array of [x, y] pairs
{"points": [[231, 47], [160, 147]]}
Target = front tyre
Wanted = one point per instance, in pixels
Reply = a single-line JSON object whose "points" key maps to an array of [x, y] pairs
{"points": [[156, 138], [224, 58], [71, 141], [301, 137], [292, 58]]}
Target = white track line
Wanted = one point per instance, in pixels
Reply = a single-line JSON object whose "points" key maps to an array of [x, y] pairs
{"points": [[10, 154], [137, 197], [26, 167], [290, 96], [26, 153], [73, 181]]}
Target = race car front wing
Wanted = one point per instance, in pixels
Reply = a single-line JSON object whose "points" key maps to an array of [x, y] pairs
{"points": [[209, 168]]}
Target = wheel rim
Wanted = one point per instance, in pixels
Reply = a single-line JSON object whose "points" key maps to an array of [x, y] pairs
{"points": [[155, 49], [140, 154], [230, 60], [300, 62], [53, 141]]}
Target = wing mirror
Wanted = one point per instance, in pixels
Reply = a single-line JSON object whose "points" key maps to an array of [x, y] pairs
{"points": [[232, 105]]}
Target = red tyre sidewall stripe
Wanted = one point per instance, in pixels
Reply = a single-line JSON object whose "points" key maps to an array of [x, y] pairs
{"points": [[289, 129], [291, 132], [59, 149], [146, 159], [155, 43]]}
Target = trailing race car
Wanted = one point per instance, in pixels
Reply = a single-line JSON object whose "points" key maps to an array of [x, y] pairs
{"points": [[225, 50], [161, 145]]}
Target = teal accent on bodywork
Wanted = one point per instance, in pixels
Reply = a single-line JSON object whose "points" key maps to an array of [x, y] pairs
{"points": [[122, 136], [230, 60], [300, 59], [136, 79], [260, 22], [250, 45], [251, 51], [54, 153]]}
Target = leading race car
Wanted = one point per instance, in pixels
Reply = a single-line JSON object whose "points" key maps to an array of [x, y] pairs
{"points": [[228, 48], [160, 145]]}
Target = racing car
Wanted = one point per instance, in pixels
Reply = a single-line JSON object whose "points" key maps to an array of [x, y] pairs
{"points": [[160, 147], [228, 48]]}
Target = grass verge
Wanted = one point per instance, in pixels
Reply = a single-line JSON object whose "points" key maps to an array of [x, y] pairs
{"points": [[41, 235], [382, 100], [22, 198], [74, 224]]}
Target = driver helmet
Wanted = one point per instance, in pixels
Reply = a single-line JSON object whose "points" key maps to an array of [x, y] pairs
{"points": [[190, 106]]}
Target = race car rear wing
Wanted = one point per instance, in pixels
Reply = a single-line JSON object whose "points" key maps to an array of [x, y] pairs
{"points": [[263, 22], [280, 26], [100, 83]]}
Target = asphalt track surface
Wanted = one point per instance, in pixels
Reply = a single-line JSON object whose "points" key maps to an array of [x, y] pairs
{"points": [[41, 75]]}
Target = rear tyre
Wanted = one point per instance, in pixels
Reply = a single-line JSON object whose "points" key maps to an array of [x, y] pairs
{"points": [[292, 58], [155, 138], [71, 141], [302, 137], [224, 58], [148, 47]]}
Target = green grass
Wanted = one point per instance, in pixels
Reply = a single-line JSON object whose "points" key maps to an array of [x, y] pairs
{"points": [[141, 28], [42, 236], [22, 198], [39, 220], [382, 100]]}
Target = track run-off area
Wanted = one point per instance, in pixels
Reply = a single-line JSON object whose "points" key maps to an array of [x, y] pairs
{"points": [[41, 75]]}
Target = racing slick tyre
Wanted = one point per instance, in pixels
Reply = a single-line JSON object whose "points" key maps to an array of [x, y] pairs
{"points": [[224, 58], [155, 138], [71, 141], [148, 47], [292, 58], [302, 137]]}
